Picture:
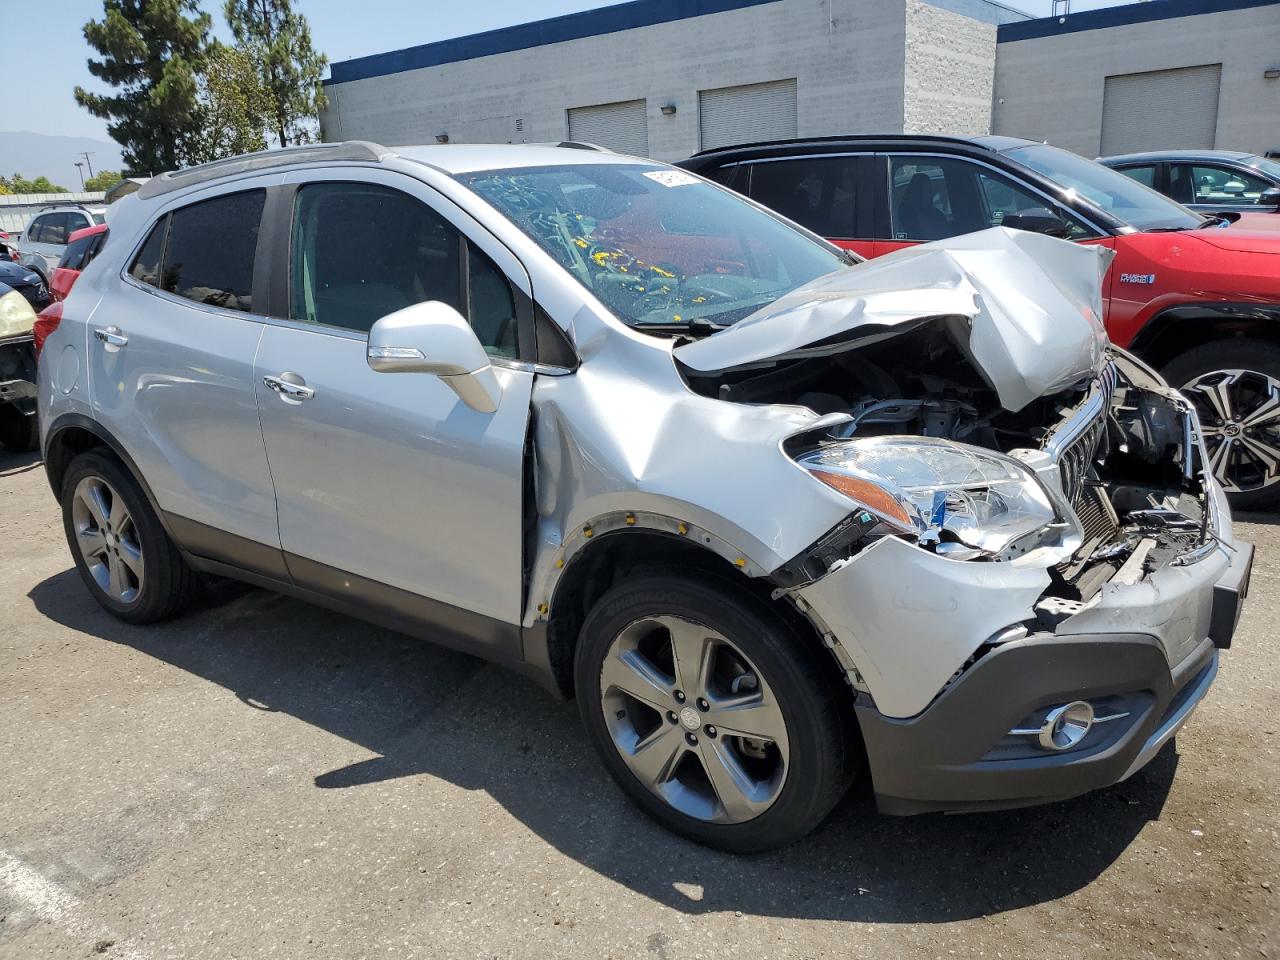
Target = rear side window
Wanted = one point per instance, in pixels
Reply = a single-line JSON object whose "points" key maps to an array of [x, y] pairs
{"points": [[36, 230], [211, 250], [55, 228], [1145, 174], [816, 192], [146, 265], [73, 258]]}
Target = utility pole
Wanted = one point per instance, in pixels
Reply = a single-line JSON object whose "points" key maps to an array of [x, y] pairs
{"points": [[80, 170], [88, 162]]}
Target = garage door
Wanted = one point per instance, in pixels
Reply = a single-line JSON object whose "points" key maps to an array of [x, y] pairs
{"points": [[623, 127], [746, 114], [1161, 110]]}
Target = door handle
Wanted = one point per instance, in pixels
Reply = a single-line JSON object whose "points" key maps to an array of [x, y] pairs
{"points": [[111, 336], [294, 388]]}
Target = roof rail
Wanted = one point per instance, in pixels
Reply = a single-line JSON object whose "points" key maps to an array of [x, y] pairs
{"points": [[583, 145], [263, 160], [850, 138]]}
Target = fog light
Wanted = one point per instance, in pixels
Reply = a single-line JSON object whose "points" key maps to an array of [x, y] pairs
{"points": [[1066, 726]]}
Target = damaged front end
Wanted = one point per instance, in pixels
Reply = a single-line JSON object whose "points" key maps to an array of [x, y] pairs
{"points": [[1037, 566]]}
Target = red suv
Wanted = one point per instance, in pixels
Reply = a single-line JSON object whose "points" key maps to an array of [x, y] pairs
{"points": [[1193, 295]]}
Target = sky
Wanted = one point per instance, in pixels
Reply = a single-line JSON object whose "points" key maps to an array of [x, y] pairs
{"points": [[58, 57]]}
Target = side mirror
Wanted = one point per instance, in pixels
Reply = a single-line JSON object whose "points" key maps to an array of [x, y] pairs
{"points": [[434, 338], [1270, 197], [1038, 220]]}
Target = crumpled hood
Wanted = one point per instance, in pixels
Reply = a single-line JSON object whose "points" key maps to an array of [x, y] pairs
{"points": [[1032, 305]]}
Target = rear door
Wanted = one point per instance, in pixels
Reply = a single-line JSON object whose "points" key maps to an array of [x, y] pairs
{"points": [[171, 373], [823, 192], [390, 489]]}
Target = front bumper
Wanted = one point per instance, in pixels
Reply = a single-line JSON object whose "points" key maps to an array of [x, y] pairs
{"points": [[958, 754]]}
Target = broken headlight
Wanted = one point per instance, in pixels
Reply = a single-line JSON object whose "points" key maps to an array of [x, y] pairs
{"points": [[966, 501]]}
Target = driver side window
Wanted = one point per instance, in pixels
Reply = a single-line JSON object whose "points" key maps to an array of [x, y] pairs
{"points": [[360, 251]]}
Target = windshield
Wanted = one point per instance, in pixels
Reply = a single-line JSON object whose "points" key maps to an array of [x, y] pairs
{"points": [[655, 245], [1121, 196], [1268, 166]]}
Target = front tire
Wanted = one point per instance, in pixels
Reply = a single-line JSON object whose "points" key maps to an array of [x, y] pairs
{"points": [[710, 711], [1235, 387], [121, 550]]}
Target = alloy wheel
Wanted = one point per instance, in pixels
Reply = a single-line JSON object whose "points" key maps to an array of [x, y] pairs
{"points": [[108, 539], [1240, 419], [694, 720]]}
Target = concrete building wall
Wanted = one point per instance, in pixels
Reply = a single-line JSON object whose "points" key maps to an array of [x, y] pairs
{"points": [[1051, 88], [846, 56], [948, 72]]}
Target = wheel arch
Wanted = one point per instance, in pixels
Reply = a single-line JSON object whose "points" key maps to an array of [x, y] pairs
{"points": [[1177, 329], [614, 554]]}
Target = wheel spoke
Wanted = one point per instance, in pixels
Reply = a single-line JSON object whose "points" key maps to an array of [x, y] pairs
{"points": [[739, 795], [1265, 453], [1220, 460], [1266, 412], [119, 518], [655, 758], [92, 542], [748, 716], [132, 558], [95, 499], [1218, 395], [118, 581], [631, 672], [692, 647]]}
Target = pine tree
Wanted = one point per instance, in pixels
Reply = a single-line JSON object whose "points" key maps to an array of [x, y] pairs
{"points": [[152, 51], [279, 42]]}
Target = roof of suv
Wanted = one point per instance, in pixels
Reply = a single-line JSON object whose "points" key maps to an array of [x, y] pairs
{"points": [[863, 140], [1178, 155], [448, 158]]}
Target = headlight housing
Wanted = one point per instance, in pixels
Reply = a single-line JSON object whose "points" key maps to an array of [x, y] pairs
{"points": [[16, 315], [939, 490]]}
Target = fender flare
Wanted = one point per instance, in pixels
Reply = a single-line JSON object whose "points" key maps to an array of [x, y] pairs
{"points": [[1228, 314]]}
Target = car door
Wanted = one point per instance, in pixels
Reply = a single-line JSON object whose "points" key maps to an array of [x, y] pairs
{"points": [[390, 489], [932, 197], [171, 374], [823, 192], [42, 244]]}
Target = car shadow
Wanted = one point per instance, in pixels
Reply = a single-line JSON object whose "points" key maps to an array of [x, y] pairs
{"points": [[12, 464], [427, 710]]}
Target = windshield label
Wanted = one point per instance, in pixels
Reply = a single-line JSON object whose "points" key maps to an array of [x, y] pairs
{"points": [[671, 178], [1137, 278]]}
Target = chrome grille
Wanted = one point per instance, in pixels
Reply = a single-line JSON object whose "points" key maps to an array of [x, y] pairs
{"points": [[1075, 442]]}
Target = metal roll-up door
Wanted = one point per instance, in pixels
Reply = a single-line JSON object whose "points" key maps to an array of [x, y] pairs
{"points": [[747, 114], [623, 127], [1161, 110]]}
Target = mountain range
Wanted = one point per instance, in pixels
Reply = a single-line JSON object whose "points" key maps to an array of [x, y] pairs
{"points": [[37, 154]]}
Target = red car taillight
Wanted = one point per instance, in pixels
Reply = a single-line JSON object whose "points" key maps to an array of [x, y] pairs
{"points": [[47, 321]]}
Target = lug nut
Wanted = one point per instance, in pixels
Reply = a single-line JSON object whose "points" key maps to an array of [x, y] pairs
{"points": [[693, 740], [703, 705], [711, 731], [679, 696], [671, 715]]}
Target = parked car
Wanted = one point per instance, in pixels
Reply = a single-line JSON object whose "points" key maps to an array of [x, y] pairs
{"points": [[26, 282], [42, 243], [82, 247], [8, 252], [634, 436], [18, 431], [1214, 182], [1200, 304]]}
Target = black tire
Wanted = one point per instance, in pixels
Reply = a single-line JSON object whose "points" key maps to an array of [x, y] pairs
{"points": [[169, 585], [19, 432], [1260, 356], [818, 715]]}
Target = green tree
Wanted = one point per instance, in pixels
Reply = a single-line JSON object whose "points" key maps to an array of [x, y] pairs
{"points": [[236, 107], [279, 42], [151, 52], [103, 180], [20, 184]]}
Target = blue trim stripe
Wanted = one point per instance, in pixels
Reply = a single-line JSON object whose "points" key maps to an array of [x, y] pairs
{"points": [[1120, 16], [573, 26]]}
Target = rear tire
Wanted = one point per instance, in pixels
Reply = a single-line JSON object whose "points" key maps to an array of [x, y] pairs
{"points": [[1234, 384], [714, 786], [121, 550], [19, 432]]}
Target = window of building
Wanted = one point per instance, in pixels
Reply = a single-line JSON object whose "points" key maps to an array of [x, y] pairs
{"points": [[211, 250], [815, 192]]}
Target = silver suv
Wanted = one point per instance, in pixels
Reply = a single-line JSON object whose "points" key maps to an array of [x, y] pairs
{"points": [[777, 518], [42, 243]]}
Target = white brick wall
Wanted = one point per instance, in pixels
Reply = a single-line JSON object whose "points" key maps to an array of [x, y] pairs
{"points": [[1050, 88], [948, 72]]}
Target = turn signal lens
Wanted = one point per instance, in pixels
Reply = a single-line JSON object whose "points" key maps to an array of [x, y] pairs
{"points": [[876, 499]]}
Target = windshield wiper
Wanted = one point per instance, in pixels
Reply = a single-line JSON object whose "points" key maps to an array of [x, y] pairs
{"points": [[699, 326], [1213, 222]]}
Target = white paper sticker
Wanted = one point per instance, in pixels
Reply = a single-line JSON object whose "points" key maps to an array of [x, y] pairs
{"points": [[671, 178]]}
